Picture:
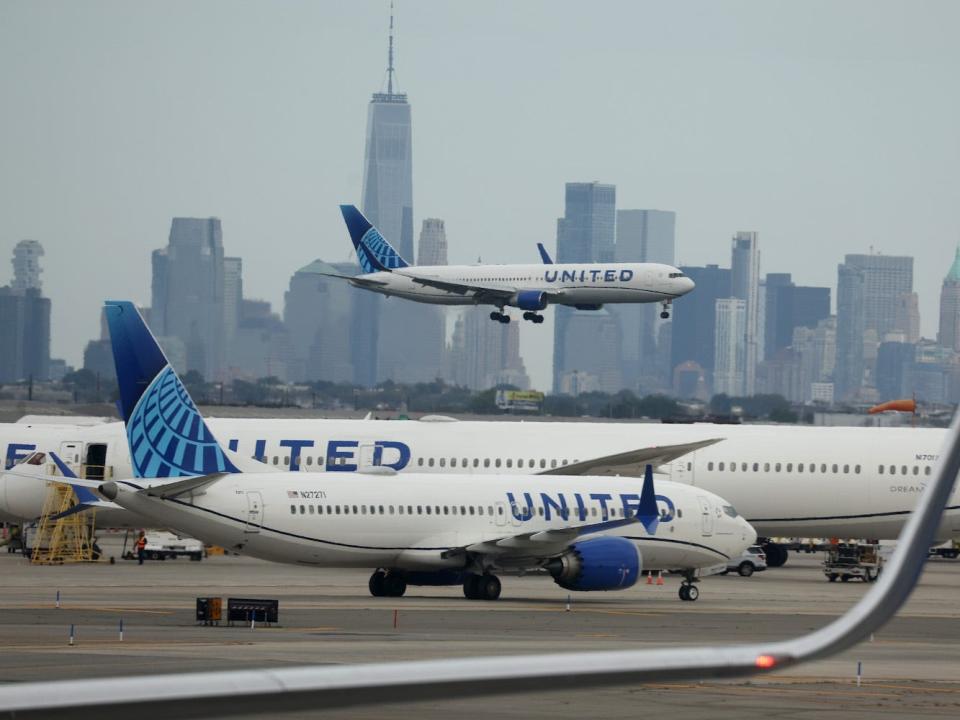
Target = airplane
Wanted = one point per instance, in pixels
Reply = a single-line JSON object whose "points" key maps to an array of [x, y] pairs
{"points": [[442, 529], [788, 481], [276, 690], [531, 288]]}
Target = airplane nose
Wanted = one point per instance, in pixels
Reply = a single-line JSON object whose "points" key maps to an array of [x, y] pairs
{"points": [[688, 285]]}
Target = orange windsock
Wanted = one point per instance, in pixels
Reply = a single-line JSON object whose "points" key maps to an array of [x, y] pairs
{"points": [[909, 406]]}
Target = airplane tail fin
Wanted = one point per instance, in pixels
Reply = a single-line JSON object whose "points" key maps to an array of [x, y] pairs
{"points": [[544, 255], [167, 434], [647, 513], [373, 250]]}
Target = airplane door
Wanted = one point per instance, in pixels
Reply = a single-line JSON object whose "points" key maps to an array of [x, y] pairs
{"points": [[366, 457], [500, 514], [254, 512], [706, 516], [70, 454]]}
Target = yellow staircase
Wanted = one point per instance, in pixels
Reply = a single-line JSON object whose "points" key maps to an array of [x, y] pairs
{"points": [[64, 540]]}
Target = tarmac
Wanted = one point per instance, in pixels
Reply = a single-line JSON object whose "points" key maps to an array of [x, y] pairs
{"points": [[910, 669]]}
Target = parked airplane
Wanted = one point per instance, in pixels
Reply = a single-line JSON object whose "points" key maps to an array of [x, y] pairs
{"points": [[787, 481], [585, 286], [274, 690], [588, 533]]}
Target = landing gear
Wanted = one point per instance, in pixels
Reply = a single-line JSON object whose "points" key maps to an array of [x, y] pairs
{"points": [[387, 584], [665, 313], [533, 317], [500, 317], [481, 587], [688, 591], [776, 554]]}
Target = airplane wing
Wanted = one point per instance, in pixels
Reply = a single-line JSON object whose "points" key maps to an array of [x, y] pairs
{"points": [[485, 291], [277, 689], [630, 463]]}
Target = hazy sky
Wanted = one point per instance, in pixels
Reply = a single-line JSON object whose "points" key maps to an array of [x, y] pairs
{"points": [[828, 127]]}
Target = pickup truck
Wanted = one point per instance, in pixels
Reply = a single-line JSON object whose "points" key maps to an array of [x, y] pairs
{"points": [[164, 545]]}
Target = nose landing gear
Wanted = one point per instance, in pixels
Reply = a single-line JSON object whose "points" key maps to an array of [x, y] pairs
{"points": [[665, 314], [533, 317], [688, 591]]}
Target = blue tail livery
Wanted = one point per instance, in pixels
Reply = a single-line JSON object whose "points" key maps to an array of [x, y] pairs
{"points": [[544, 255], [167, 434], [373, 250]]}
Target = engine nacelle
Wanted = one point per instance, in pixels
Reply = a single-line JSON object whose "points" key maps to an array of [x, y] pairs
{"points": [[603, 563], [529, 300]]}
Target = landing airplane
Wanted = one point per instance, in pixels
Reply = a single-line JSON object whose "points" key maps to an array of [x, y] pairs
{"points": [[588, 533], [585, 286], [787, 481], [274, 690]]}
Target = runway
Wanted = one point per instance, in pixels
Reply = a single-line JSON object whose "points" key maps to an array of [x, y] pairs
{"points": [[326, 616]]}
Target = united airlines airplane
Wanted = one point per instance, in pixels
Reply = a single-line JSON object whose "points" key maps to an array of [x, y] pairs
{"points": [[588, 533], [585, 286]]}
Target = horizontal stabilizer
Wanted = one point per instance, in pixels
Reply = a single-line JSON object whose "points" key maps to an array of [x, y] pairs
{"points": [[631, 463]]}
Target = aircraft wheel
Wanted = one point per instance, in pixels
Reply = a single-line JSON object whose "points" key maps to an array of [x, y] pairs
{"points": [[495, 315], [692, 593], [683, 592], [394, 585], [471, 587], [539, 319], [377, 584], [664, 315], [488, 587]]}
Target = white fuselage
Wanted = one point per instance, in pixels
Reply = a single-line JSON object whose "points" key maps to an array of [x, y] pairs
{"points": [[840, 491], [586, 284], [412, 521]]}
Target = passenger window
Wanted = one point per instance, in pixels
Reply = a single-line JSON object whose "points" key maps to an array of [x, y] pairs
{"points": [[789, 467], [916, 470], [509, 462], [835, 468], [381, 509], [311, 509], [319, 462], [553, 463], [309, 459], [363, 510], [733, 467], [709, 466], [428, 509], [391, 509], [777, 467], [756, 467], [471, 509], [799, 467], [903, 470], [303, 510], [689, 466], [856, 469], [476, 462], [276, 460], [354, 509], [329, 509], [430, 462], [286, 459], [464, 463], [497, 462], [446, 509], [443, 462], [420, 461], [846, 469], [436, 509], [410, 509], [927, 470], [743, 467], [293, 509], [543, 463], [453, 462], [463, 510], [720, 467], [766, 467], [486, 462], [823, 467]]}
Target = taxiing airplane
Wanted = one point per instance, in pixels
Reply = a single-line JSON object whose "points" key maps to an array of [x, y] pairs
{"points": [[585, 286], [588, 533]]}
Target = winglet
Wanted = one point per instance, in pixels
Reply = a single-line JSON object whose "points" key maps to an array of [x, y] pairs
{"points": [[166, 433], [544, 255], [647, 513], [373, 250]]}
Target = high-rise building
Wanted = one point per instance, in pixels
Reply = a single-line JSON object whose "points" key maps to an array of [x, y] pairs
{"points": [[907, 319], [586, 233], [26, 265], [694, 319], [949, 333], [261, 344], [432, 249], [188, 293], [788, 307], [869, 290], [745, 285], [486, 354], [729, 372], [643, 236], [24, 319], [232, 294]]}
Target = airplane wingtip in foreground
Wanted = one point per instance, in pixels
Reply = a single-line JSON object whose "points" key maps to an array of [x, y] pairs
{"points": [[308, 688]]}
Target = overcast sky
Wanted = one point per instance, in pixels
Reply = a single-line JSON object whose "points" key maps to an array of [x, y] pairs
{"points": [[827, 127]]}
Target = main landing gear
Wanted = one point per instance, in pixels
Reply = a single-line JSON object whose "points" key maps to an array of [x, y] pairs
{"points": [[500, 317], [688, 590], [533, 317], [387, 584], [665, 314], [481, 587]]}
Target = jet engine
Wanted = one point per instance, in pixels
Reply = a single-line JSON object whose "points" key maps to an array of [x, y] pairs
{"points": [[603, 563], [529, 300]]}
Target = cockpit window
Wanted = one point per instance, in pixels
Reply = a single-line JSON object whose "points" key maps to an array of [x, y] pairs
{"points": [[730, 510], [676, 274], [36, 458]]}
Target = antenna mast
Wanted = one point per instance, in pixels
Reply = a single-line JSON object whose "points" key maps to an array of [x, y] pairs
{"points": [[390, 55]]}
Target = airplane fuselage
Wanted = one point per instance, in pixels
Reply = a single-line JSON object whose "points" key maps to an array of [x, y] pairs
{"points": [[787, 481]]}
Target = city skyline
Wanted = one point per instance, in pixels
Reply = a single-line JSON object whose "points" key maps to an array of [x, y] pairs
{"points": [[127, 135]]}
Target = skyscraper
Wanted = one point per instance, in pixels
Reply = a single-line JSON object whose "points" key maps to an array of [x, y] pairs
{"points": [[643, 236], [788, 307], [486, 354], [586, 233], [188, 292], [729, 372], [869, 291], [432, 249], [24, 319], [745, 285], [949, 334], [694, 322], [232, 295]]}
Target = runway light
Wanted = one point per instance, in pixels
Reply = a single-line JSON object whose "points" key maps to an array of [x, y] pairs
{"points": [[765, 662]]}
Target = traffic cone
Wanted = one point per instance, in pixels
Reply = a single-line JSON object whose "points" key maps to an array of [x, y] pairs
{"points": [[649, 578], [660, 577]]}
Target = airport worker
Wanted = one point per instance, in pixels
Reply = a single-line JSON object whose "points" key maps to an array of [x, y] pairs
{"points": [[141, 547]]}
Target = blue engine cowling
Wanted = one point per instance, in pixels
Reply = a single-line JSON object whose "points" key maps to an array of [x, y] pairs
{"points": [[530, 300], [603, 563]]}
